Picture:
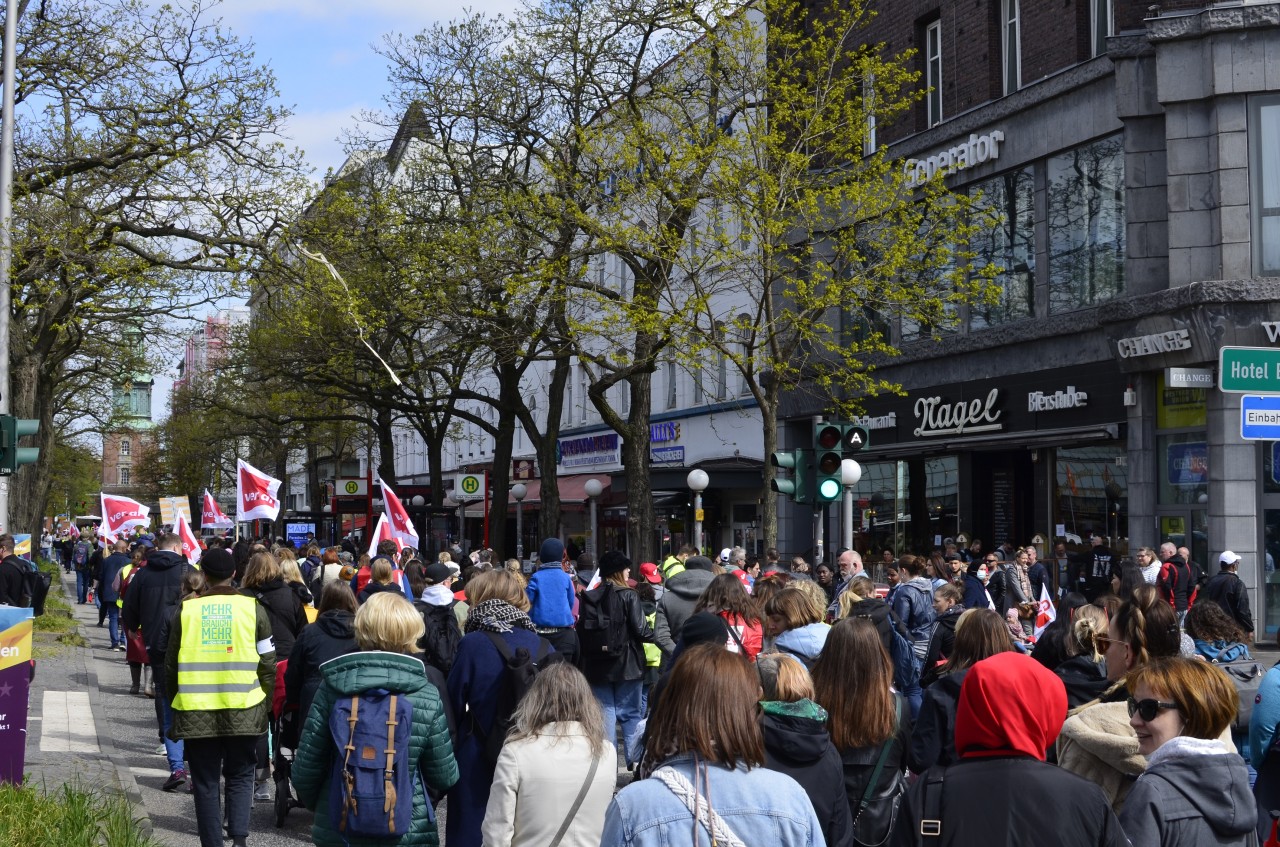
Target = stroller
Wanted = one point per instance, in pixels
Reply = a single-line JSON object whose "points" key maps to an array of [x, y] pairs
{"points": [[284, 734]]}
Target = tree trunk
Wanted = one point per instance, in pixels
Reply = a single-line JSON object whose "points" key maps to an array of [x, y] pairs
{"points": [[641, 544], [386, 447], [768, 497], [500, 478], [29, 487], [549, 499]]}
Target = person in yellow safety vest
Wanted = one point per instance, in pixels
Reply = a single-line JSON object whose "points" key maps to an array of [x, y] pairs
{"points": [[222, 675], [674, 563]]}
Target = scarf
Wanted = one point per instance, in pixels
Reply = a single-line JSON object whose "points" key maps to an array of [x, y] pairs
{"points": [[497, 616]]}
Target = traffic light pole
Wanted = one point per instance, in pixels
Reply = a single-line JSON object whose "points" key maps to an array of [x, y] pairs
{"points": [[8, 66]]}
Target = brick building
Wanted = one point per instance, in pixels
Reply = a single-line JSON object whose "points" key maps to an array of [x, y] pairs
{"points": [[123, 446], [1133, 153]]}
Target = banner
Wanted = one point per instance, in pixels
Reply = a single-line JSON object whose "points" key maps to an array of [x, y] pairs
{"points": [[15, 684], [255, 493], [22, 546], [171, 507], [190, 544], [402, 528], [382, 532], [212, 516], [121, 513]]}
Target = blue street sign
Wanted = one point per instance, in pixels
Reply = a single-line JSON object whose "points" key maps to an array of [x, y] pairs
{"points": [[1260, 418]]}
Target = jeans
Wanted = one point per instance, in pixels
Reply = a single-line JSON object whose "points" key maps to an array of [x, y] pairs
{"points": [[113, 625], [173, 750], [212, 759], [83, 581], [621, 704]]}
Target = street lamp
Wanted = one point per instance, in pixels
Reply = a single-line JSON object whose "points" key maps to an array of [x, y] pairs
{"points": [[697, 482], [418, 500], [519, 491], [850, 473], [451, 503], [593, 488]]}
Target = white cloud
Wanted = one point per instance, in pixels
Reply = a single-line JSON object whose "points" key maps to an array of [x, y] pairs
{"points": [[398, 14], [318, 133]]}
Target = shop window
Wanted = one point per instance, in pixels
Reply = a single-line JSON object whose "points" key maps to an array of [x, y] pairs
{"points": [[1010, 246], [1264, 146], [1010, 46], [1184, 468], [1091, 494], [888, 515], [1180, 408], [1086, 225], [933, 72]]}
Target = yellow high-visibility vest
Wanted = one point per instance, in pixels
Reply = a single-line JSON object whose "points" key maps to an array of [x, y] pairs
{"points": [[671, 567], [218, 656], [124, 574]]}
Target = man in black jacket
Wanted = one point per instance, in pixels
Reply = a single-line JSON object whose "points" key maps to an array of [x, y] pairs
{"points": [[1175, 580], [152, 597], [1228, 591], [11, 569]]}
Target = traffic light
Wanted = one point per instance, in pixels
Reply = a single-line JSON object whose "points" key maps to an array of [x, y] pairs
{"points": [[797, 487], [831, 440], [12, 456]]}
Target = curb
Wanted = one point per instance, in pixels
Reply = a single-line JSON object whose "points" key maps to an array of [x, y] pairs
{"points": [[124, 774]]}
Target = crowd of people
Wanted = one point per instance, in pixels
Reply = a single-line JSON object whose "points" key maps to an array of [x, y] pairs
{"points": [[745, 696]]}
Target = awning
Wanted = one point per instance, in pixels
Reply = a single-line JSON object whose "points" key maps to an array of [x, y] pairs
{"points": [[572, 489]]}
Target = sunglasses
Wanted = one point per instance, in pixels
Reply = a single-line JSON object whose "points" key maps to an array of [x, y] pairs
{"points": [[990, 561], [1148, 709]]}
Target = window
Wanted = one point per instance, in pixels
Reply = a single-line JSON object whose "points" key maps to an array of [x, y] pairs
{"points": [[722, 377], [869, 107], [1012, 59], [699, 390], [671, 384], [568, 394], [124, 476], [126, 447], [1264, 146], [1010, 245], [1100, 25], [933, 71], [1086, 225]]}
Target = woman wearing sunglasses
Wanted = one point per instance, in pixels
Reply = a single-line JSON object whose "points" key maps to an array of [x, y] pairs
{"points": [[1195, 790]]}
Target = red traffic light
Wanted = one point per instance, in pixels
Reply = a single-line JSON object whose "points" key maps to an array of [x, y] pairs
{"points": [[828, 436], [829, 463]]}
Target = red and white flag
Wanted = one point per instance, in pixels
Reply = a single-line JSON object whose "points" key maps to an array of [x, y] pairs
{"points": [[1045, 612], [121, 513], [255, 493], [402, 529], [212, 516], [73, 531], [190, 544], [382, 532]]}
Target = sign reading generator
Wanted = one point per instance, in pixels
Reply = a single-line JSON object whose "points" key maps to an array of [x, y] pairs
{"points": [[966, 154]]}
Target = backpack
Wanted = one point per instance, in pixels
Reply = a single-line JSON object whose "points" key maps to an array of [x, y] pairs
{"points": [[906, 671], [80, 555], [518, 672], [442, 636], [1246, 675], [35, 588], [371, 789], [602, 625]]}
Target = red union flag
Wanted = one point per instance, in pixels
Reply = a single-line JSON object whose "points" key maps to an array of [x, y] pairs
{"points": [[382, 532], [121, 513], [211, 516], [1045, 612], [402, 529], [255, 493], [190, 544]]}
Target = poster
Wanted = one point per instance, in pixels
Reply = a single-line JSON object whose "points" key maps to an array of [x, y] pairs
{"points": [[22, 546], [297, 533], [1188, 463], [171, 507], [15, 684]]}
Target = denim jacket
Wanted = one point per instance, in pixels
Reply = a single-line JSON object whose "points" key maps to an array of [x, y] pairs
{"points": [[760, 805]]}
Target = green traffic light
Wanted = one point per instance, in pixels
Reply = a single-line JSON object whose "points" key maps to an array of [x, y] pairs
{"points": [[829, 490]]}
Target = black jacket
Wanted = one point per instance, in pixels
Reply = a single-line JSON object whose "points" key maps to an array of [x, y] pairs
{"points": [[1176, 582], [372, 588], [885, 619], [933, 739], [1051, 647], [860, 762], [801, 748], [942, 643], [11, 580], [1084, 678], [1090, 573], [1228, 591], [631, 664], [153, 591], [111, 566], [332, 635], [284, 610], [1015, 801]]}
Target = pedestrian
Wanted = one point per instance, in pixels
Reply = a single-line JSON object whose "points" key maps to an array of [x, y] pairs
{"points": [[556, 773], [381, 579], [108, 590], [947, 607], [1149, 563], [1051, 646], [1216, 636], [726, 597], [291, 573], [1038, 574], [826, 581], [221, 670], [675, 607], [1125, 577], [1084, 671], [976, 576], [387, 630], [332, 635], [798, 620], [552, 598], [1175, 581], [709, 782], [135, 650], [1195, 790], [848, 565], [1227, 590], [676, 562], [860, 601], [12, 570], [330, 569], [912, 601]]}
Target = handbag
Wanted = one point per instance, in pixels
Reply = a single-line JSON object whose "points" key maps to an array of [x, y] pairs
{"points": [[577, 803], [135, 649], [875, 778]]}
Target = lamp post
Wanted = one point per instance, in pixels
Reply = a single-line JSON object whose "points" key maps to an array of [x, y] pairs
{"points": [[593, 488], [697, 482], [850, 473], [450, 503], [519, 491]]}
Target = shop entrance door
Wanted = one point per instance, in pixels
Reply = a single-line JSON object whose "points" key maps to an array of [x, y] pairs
{"points": [[1187, 528], [1270, 576]]}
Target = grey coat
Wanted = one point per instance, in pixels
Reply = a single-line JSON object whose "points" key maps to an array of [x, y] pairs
{"points": [[1187, 799], [675, 607]]}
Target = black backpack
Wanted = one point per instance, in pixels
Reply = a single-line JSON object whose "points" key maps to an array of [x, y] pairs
{"points": [[440, 640], [519, 670], [602, 625], [35, 588]]}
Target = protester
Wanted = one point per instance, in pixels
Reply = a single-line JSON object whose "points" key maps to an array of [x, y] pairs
{"points": [[859, 600], [946, 604], [726, 597], [798, 621], [556, 773], [1194, 791], [1216, 636], [1051, 646], [552, 598], [912, 601], [291, 573], [1125, 577], [1227, 590], [381, 579], [796, 743], [1001, 791], [869, 724], [109, 591], [825, 579], [330, 569], [1084, 672], [709, 781], [264, 580], [332, 635], [387, 628], [676, 605], [976, 577]]}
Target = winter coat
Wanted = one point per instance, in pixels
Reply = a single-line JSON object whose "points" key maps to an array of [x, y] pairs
{"points": [[551, 597], [1228, 591], [882, 616], [371, 588], [534, 786], [1192, 793], [152, 593], [859, 764], [332, 635], [352, 675], [631, 664], [975, 593], [111, 566], [1084, 678], [284, 610], [913, 604], [12, 580], [804, 642], [941, 644], [933, 740], [676, 605], [217, 723], [796, 743]]}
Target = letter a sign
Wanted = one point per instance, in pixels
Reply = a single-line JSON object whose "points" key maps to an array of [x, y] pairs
{"points": [[855, 438]]}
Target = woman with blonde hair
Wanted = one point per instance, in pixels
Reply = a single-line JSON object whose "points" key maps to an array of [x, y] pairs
{"points": [[798, 620], [556, 773], [387, 629], [381, 580], [264, 580], [1084, 673], [859, 600], [292, 575]]}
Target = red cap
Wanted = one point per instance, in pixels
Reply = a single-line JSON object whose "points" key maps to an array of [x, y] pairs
{"points": [[649, 571]]}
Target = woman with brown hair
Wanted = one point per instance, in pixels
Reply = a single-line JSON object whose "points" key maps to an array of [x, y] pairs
{"points": [[709, 782], [726, 597], [798, 620], [869, 724], [381, 578], [1084, 673], [980, 633]]}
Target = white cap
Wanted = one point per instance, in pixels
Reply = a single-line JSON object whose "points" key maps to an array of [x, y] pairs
{"points": [[724, 554], [1228, 558]]}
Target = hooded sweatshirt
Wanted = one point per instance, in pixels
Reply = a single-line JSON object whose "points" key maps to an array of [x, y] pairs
{"points": [[676, 605], [332, 635], [804, 642], [796, 743], [1193, 792]]}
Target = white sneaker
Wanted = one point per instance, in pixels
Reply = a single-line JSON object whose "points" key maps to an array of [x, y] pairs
{"points": [[262, 790], [161, 750]]}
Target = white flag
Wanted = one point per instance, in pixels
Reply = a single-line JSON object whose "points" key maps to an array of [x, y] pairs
{"points": [[1045, 611]]}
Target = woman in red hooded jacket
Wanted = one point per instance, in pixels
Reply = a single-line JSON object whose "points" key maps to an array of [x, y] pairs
{"points": [[1002, 792]]}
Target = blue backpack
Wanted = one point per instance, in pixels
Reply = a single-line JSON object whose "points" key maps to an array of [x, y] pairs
{"points": [[372, 785]]}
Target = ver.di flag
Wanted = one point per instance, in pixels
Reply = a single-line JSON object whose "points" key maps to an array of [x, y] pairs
{"points": [[382, 532], [121, 513], [255, 493], [402, 529], [190, 544], [212, 516], [1045, 612]]}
